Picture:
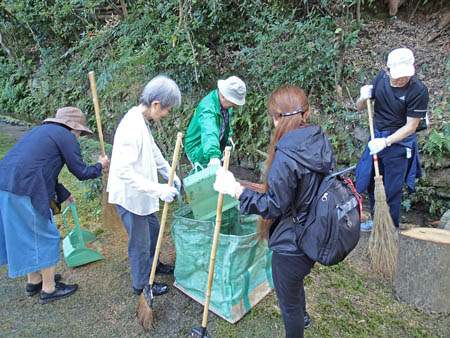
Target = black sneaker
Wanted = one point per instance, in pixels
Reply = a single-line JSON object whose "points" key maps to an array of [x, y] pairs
{"points": [[164, 269], [307, 319], [61, 290], [33, 289]]}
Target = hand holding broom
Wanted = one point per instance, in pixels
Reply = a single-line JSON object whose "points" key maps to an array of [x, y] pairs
{"points": [[144, 310], [383, 246]]}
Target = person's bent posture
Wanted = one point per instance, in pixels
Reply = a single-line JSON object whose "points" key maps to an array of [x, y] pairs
{"points": [[133, 179], [29, 238]]}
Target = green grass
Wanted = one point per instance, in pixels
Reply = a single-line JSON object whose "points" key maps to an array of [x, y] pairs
{"points": [[346, 300], [6, 144]]}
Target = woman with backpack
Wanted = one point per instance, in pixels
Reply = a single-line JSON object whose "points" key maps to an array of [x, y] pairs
{"points": [[300, 156]]}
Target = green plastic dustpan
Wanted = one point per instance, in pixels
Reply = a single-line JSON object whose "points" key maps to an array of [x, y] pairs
{"points": [[74, 245]]}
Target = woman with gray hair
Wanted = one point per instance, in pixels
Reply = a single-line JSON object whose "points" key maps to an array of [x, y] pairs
{"points": [[133, 179]]}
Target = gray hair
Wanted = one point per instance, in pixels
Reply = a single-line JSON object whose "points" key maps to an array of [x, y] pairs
{"points": [[163, 89]]}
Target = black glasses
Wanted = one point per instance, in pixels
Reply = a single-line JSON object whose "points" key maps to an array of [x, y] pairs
{"points": [[298, 111]]}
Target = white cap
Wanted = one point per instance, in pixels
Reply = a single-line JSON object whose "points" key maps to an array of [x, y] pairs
{"points": [[401, 63], [233, 89]]}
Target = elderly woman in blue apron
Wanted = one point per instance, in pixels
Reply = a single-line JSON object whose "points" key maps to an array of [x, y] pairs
{"points": [[29, 238]]}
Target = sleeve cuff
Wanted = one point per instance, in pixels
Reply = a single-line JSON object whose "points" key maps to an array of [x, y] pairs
{"points": [[99, 167]]}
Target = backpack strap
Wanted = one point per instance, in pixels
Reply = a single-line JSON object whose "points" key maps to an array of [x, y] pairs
{"points": [[295, 218], [340, 172]]}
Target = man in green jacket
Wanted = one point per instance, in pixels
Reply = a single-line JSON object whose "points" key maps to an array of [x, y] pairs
{"points": [[209, 131]]}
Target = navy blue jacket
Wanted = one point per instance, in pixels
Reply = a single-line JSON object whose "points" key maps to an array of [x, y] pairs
{"points": [[302, 158], [32, 166]]}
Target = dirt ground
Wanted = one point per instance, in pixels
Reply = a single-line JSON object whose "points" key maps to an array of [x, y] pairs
{"points": [[11, 130]]}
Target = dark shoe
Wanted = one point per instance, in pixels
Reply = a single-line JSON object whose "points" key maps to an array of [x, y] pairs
{"points": [[307, 319], [61, 290], [137, 291], [33, 289], [158, 289], [164, 269]]}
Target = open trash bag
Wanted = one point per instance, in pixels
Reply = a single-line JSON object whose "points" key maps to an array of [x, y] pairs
{"points": [[242, 274]]}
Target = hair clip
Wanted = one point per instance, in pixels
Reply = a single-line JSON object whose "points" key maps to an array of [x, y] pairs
{"points": [[292, 113]]}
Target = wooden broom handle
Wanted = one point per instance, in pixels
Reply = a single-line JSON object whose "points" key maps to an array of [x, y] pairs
{"points": [[215, 240], [97, 110], [166, 209], [372, 136]]}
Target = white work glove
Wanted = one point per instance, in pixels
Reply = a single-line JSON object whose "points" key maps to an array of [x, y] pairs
{"points": [[365, 92], [226, 183], [376, 145], [214, 161], [177, 182], [166, 192]]}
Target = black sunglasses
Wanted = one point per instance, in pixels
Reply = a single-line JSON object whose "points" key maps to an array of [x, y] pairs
{"points": [[298, 111]]}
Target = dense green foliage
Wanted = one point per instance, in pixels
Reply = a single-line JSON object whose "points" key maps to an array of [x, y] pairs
{"points": [[49, 46], [53, 46]]}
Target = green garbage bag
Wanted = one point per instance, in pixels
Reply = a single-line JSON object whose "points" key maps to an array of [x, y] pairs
{"points": [[242, 274]]}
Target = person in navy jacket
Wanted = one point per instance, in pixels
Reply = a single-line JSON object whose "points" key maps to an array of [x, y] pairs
{"points": [[29, 238], [300, 156], [401, 101]]}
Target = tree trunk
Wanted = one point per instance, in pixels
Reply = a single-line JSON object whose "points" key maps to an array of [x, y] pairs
{"points": [[422, 278], [394, 5]]}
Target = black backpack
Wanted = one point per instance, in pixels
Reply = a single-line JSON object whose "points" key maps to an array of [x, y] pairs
{"points": [[332, 228]]}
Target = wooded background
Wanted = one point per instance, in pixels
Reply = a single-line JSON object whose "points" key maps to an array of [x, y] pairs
{"points": [[48, 47]]}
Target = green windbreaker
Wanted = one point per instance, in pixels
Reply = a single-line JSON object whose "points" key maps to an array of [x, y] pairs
{"points": [[202, 136]]}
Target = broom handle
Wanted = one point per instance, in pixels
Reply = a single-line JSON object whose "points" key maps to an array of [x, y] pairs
{"points": [[372, 136], [215, 240], [97, 110], [166, 209]]}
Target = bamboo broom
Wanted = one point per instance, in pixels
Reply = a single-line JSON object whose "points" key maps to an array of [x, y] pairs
{"points": [[383, 245], [203, 333], [110, 216], [144, 309]]}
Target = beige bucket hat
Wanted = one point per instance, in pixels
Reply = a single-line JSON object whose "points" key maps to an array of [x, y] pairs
{"points": [[71, 117], [233, 89]]}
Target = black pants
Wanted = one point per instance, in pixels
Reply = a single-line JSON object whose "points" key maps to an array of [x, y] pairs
{"points": [[288, 273]]}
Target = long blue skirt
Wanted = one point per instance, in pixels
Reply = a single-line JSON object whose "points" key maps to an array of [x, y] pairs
{"points": [[28, 241]]}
